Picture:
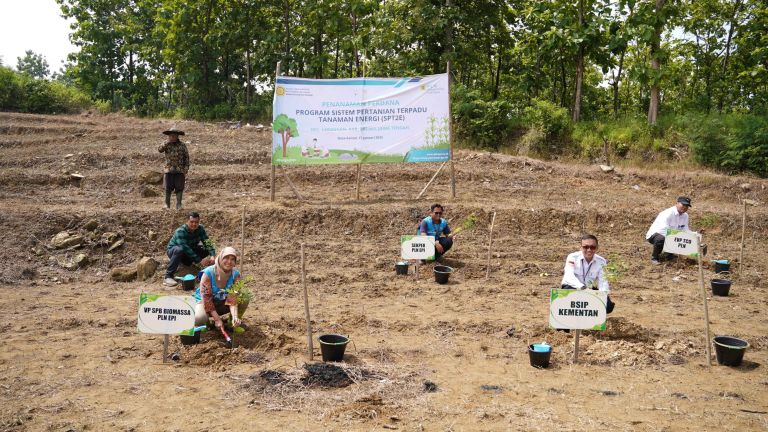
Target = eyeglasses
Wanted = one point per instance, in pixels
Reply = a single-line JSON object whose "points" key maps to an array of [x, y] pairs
{"points": [[438, 212], [589, 247]]}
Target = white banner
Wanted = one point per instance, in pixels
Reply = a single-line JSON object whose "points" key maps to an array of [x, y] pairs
{"points": [[681, 242], [360, 120], [166, 314], [577, 309]]}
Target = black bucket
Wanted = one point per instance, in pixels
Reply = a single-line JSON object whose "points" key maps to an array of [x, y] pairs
{"points": [[539, 359], [720, 287], [722, 266], [730, 350], [332, 346], [442, 273], [190, 340], [401, 268], [187, 282]]}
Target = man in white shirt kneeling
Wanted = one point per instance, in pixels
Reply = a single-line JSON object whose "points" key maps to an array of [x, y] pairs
{"points": [[584, 270]]}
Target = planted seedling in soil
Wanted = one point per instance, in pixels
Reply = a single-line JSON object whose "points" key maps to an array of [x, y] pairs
{"points": [[467, 224]]}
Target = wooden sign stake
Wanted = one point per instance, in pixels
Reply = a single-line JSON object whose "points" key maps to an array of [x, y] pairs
{"points": [[490, 241], [165, 348], [358, 183], [576, 346], [706, 309], [306, 304]]}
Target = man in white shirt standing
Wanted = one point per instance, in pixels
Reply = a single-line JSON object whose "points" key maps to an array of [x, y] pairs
{"points": [[584, 270], [675, 217]]}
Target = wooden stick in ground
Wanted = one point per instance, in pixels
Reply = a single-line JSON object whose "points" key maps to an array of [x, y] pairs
{"points": [[165, 348], [450, 127], [490, 242], [433, 179], [743, 229], [576, 346], [272, 176], [357, 197], [706, 309], [293, 188], [306, 304], [242, 242]]}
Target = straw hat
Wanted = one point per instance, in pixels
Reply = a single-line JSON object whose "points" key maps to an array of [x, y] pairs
{"points": [[173, 130]]}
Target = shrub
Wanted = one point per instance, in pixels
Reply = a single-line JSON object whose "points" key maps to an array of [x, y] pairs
{"points": [[549, 128], [10, 89], [481, 122]]}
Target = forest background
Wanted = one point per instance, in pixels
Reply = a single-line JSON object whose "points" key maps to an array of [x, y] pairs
{"points": [[643, 81]]}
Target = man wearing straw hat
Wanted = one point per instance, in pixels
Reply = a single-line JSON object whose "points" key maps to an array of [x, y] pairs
{"points": [[176, 165]]}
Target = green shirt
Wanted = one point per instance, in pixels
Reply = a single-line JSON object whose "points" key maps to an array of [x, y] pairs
{"points": [[188, 239]]}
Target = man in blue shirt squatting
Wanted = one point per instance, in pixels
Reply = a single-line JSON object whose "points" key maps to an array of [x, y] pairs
{"points": [[188, 245], [584, 270], [436, 227]]}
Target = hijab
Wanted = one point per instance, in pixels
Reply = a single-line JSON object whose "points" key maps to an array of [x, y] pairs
{"points": [[223, 276]]}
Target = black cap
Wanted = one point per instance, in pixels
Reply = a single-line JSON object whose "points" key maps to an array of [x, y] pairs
{"points": [[684, 200]]}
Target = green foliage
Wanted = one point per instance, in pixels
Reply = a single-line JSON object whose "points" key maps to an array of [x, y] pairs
{"points": [[628, 137], [33, 64], [733, 143], [709, 220], [242, 290], [478, 121], [22, 92], [615, 269], [549, 128]]}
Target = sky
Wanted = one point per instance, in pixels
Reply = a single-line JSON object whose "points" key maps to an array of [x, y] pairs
{"points": [[34, 25]]}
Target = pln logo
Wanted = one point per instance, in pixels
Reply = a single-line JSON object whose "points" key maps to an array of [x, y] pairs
{"points": [[280, 91]]}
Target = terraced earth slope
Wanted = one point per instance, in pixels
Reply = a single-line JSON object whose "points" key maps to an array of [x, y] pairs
{"points": [[424, 356]]}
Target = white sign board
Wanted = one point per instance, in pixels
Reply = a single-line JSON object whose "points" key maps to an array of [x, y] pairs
{"points": [[681, 242], [417, 247], [166, 314], [360, 120], [577, 309]]}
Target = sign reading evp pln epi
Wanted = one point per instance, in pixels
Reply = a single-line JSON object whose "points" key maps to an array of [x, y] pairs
{"points": [[577, 309]]}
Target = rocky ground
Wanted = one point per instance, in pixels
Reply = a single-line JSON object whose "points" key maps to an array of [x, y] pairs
{"points": [[80, 206]]}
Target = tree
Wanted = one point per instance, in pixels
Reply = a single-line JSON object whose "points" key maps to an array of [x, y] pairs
{"points": [[287, 129], [33, 64]]}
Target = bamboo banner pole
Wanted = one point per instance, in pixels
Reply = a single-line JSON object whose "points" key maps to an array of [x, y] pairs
{"points": [[743, 229], [306, 304], [272, 176], [450, 134], [490, 242], [290, 184], [431, 180], [358, 182], [706, 309]]}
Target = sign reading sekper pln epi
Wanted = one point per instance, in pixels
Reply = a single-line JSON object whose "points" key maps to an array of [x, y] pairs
{"points": [[161, 314], [417, 247], [360, 120], [681, 242], [577, 309]]}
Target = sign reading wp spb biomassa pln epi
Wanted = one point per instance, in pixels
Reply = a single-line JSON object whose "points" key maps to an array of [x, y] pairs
{"points": [[360, 120]]}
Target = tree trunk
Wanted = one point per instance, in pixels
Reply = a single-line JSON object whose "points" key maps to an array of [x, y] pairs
{"points": [[731, 31], [579, 70], [653, 106], [498, 75], [616, 80]]}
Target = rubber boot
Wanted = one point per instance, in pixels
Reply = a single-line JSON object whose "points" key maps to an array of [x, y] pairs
{"points": [[167, 199], [178, 200]]}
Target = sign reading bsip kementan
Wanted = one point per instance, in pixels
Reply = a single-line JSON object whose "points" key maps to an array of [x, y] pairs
{"points": [[417, 247], [166, 314], [681, 242], [577, 309]]}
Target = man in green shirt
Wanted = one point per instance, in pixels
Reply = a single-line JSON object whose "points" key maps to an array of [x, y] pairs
{"points": [[188, 245]]}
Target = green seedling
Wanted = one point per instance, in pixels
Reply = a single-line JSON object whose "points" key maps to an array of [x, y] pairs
{"points": [[615, 269], [241, 290], [467, 224]]}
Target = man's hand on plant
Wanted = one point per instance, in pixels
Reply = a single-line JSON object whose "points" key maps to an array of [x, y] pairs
{"points": [[236, 321]]}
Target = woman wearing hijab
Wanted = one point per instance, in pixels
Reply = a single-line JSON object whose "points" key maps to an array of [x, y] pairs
{"points": [[213, 298]]}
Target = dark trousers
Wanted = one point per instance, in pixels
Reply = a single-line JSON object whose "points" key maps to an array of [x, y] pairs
{"points": [[657, 240], [446, 243], [177, 256], [608, 306]]}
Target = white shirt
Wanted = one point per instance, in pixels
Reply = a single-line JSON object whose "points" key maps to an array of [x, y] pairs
{"points": [[579, 273], [669, 218]]}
